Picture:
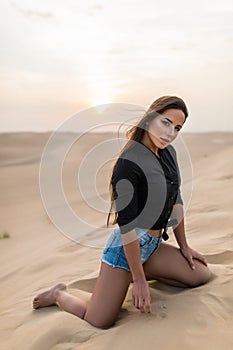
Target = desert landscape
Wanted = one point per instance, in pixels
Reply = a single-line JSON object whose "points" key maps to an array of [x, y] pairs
{"points": [[35, 255]]}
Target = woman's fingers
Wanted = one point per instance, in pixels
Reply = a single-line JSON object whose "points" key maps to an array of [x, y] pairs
{"points": [[187, 254], [141, 304], [191, 263], [202, 259], [147, 307], [141, 296], [144, 305], [191, 254], [137, 302], [199, 257]]}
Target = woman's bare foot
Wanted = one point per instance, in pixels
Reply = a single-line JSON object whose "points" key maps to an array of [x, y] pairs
{"points": [[48, 297]]}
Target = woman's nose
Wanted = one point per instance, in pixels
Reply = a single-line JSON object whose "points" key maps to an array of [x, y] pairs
{"points": [[171, 131]]}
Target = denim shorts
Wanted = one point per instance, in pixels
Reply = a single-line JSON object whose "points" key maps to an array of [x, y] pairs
{"points": [[113, 253]]}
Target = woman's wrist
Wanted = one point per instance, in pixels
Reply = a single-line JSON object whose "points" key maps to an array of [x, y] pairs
{"points": [[139, 278], [184, 246]]}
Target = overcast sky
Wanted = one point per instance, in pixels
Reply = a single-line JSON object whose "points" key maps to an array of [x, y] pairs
{"points": [[60, 57]]}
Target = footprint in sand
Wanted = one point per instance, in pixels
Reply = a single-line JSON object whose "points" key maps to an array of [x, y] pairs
{"points": [[160, 309]]}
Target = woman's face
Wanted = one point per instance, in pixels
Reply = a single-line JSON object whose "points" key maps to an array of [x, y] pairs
{"points": [[165, 127]]}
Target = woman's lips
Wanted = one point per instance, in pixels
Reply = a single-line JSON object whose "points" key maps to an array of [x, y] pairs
{"points": [[165, 141]]}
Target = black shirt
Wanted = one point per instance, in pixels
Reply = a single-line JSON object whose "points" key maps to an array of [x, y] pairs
{"points": [[145, 187]]}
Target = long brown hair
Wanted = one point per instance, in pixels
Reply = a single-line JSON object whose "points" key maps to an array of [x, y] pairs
{"points": [[136, 133]]}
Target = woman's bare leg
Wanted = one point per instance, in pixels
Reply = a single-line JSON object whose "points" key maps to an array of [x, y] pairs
{"points": [[108, 296], [105, 303], [168, 265]]}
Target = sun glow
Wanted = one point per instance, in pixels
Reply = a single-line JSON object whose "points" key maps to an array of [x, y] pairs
{"points": [[100, 81], [97, 69], [103, 92]]}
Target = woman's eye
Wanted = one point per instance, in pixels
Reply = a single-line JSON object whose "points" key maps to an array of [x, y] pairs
{"points": [[178, 129], [165, 122]]}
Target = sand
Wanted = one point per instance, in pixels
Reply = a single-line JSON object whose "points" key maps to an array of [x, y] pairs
{"points": [[37, 255]]}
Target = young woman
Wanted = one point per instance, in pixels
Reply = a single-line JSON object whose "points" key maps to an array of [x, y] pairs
{"points": [[146, 199]]}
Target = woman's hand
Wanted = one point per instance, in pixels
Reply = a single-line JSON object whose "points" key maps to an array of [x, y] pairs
{"points": [[191, 254], [141, 296]]}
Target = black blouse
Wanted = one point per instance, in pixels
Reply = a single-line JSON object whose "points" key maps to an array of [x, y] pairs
{"points": [[145, 187]]}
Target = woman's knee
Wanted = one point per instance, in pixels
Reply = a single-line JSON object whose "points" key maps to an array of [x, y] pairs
{"points": [[202, 275], [102, 324]]}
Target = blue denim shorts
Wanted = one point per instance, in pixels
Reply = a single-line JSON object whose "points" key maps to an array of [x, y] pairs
{"points": [[113, 253]]}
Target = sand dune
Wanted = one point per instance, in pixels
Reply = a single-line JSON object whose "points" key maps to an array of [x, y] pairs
{"points": [[37, 256]]}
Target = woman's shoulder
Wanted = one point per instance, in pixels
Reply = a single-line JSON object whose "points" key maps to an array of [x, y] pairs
{"points": [[132, 161], [171, 149], [138, 155], [127, 159]]}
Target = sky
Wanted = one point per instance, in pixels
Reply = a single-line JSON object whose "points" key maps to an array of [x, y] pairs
{"points": [[62, 57]]}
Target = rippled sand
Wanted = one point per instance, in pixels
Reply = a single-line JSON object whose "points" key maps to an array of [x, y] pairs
{"points": [[37, 255]]}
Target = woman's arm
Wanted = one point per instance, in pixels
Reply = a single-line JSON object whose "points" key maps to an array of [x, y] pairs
{"points": [[141, 293], [126, 200], [179, 232]]}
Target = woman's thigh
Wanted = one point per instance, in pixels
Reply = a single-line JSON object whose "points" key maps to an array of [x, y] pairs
{"points": [[108, 296], [169, 263]]}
